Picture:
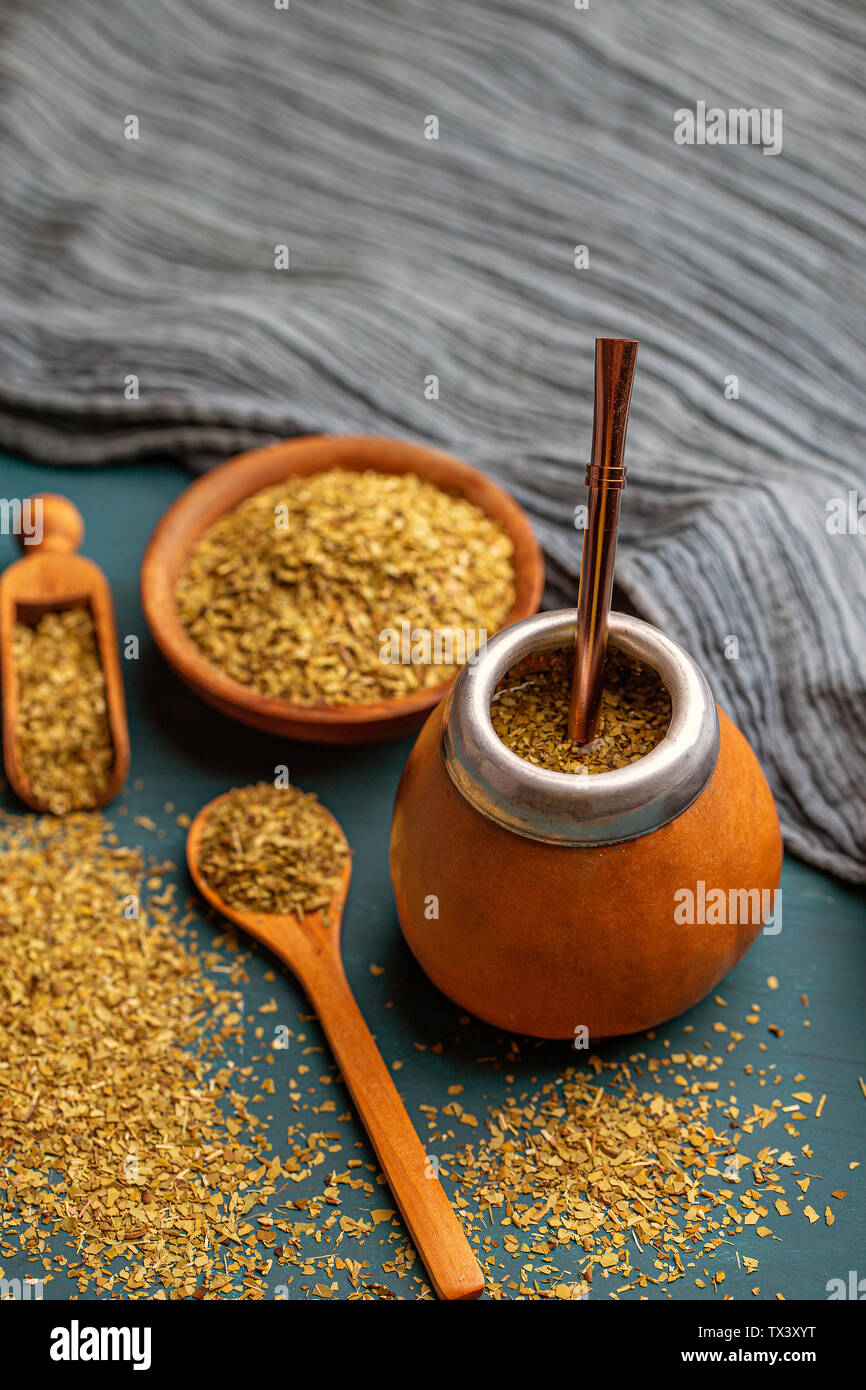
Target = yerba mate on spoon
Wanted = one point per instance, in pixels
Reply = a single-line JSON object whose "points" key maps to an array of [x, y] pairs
{"points": [[276, 863], [65, 734]]}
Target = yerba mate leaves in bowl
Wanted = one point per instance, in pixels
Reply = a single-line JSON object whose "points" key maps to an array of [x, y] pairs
{"points": [[529, 712], [342, 676], [273, 850], [296, 590]]}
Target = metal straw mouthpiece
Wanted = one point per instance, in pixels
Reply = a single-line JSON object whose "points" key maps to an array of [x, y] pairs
{"points": [[615, 360]]}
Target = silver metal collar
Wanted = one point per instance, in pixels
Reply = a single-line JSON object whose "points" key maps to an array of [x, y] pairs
{"points": [[565, 808]]}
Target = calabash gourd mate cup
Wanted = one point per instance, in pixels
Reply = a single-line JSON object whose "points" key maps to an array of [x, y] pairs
{"points": [[556, 894]]}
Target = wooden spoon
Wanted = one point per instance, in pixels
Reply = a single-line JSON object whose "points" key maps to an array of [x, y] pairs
{"points": [[51, 576], [311, 950]]}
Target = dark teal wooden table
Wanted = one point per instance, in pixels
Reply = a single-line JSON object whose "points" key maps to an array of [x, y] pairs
{"points": [[183, 752]]}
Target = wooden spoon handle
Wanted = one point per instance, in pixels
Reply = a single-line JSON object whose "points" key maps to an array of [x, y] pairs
{"points": [[432, 1223]]}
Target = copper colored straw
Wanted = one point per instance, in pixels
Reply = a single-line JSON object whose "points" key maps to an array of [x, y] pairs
{"points": [[615, 360]]}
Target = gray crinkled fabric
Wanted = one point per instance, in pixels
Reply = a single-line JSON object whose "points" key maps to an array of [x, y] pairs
{"points": [[412, 258]]}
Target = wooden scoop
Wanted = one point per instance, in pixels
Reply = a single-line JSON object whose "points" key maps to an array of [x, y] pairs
{"points": [[311, 950], [52, 576]]}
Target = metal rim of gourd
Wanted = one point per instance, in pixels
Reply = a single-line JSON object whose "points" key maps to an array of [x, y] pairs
{"points": [[573, 809]]}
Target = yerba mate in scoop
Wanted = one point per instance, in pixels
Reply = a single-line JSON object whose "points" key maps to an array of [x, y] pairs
{"points": [[63, 734]]}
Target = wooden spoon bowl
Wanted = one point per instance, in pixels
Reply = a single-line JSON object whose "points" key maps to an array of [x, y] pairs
{"points": [[311, 950], [212, 496]]}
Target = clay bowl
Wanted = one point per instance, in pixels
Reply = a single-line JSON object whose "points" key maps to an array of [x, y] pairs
{"points": [[220, 491]]}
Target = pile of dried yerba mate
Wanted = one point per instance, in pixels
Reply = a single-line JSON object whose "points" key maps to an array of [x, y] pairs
{"points": [[139, 1155]]}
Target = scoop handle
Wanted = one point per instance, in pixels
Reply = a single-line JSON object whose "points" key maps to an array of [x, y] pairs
{"points": [[431, 1220], [53, 524]]}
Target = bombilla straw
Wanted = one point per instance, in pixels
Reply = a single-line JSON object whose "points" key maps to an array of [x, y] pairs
{"points": [[615, 360]]}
